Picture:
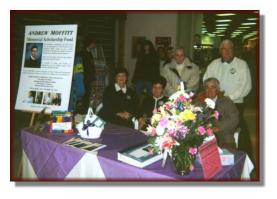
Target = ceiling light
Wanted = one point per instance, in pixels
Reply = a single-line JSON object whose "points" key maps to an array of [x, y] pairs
{"points": [[222, 24], [252, 19], [221, 28], [241, 30], [249, 35], [221, 35], [223, 20], [220, 31], [254, 38], [244, 27], [248, 24], [225, 14], [237, 32]]}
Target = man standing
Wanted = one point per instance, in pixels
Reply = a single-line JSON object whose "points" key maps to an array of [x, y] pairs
{"points": [[235, 81], [233, 73], [89, 72], [180, 69]]}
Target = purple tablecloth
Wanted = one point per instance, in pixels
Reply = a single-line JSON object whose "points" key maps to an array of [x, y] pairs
{"points": [[52, 160]]}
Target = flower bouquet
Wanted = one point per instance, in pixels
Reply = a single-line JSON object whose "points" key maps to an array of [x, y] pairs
{"points": [[180, 127]]}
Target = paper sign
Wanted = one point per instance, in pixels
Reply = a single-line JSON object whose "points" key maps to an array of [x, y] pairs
{"points": [[210, 159], [47, 68]]}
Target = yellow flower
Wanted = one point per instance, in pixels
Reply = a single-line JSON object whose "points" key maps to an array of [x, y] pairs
{"points": [[156, 118], [187, 115]]}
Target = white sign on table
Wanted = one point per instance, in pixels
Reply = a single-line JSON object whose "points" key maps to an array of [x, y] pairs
{"points": [[47, 67]]}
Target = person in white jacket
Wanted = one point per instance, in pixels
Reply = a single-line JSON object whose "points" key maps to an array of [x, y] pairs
{"points": [[235, 81], [180, 69], [233, 73]]}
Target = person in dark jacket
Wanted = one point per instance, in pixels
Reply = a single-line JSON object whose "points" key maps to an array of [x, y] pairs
{"points": [[119, 101], [228, 113], [147, 68], [151, 103], [34, 60], [89, 72]]}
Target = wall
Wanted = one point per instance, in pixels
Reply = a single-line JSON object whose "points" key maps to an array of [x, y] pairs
{"points": [[150, 26]]}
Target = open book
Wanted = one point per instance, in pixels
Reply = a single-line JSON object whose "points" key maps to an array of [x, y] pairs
{"points": [[84, 144], [139, 155]]}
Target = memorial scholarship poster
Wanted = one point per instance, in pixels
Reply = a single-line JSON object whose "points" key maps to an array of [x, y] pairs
{"points": [[47, 67]]}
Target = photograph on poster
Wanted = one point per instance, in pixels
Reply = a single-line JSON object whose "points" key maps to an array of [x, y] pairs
{"points": [[33, 55], [38, 99], [30, 96], [52, 99]]}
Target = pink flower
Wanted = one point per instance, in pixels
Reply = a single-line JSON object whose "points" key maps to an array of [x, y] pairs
{"points": [[182, 98], [192, 150], [210, 131], [163, 122], [201, 130], [167, 105], [172, 132], [168, 143], [216, 115], [151, 130]]}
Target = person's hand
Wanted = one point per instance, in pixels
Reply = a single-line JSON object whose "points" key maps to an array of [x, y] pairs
{"points": [[216, 129], [142, 122], [124, 115]]}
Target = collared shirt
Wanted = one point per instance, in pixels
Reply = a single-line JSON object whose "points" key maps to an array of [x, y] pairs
{"points": [[156, 101], [118, 88], [234, 77], [179, 68], [227, 62]]}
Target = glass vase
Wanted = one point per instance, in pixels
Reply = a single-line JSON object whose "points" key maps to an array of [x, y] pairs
{"points": [[183, 161]]}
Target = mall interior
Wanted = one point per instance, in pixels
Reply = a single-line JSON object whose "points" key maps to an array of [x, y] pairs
{"points": [[198, 32]]}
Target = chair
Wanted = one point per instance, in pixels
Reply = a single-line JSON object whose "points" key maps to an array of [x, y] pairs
{"points": [[236, 136]]}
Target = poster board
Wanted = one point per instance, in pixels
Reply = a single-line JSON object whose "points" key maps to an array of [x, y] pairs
{"points": [[47, 68]]}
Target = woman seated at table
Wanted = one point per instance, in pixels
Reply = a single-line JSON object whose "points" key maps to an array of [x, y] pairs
{"points": [[151, 103], [119, 101]]}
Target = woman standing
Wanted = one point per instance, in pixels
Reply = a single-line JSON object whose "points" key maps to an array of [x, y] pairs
{"points": [[147, 68]]}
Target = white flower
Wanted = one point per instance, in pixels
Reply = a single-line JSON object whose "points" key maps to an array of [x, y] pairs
{"points": [[171, 125], [197, 109], [175, 95], [160, 130], [210, 103], [186, 95], [191, 94]]}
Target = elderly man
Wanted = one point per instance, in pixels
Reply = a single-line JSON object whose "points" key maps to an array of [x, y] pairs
{"points": [[235, 81], [228, 113], [233, 73], [180, 69]]}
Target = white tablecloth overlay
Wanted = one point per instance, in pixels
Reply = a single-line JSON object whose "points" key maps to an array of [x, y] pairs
{"points": [[88, 167]]}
